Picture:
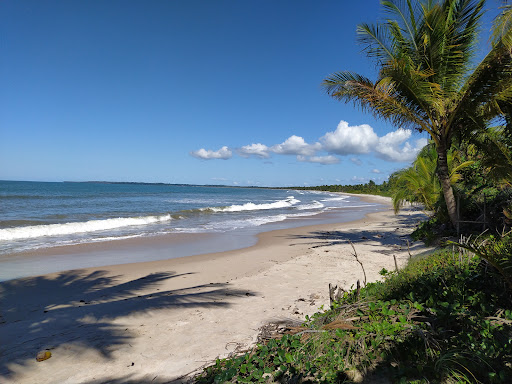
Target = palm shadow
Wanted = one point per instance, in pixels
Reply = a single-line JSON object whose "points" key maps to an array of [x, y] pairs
{"points": [[392, 239], [76, 308]]}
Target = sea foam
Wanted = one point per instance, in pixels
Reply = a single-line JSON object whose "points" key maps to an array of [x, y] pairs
{"points": [[33, 231], [288, 202], [314, 205]]}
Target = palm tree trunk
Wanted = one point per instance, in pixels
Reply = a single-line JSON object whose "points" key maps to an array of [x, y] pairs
{"points": [[444, 178]]}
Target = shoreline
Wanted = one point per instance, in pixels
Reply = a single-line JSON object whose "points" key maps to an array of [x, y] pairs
{"points": [[159, 320], [162, 247]]}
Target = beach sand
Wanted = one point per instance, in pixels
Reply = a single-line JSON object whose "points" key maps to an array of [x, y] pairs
{"points": [[158, 321]]}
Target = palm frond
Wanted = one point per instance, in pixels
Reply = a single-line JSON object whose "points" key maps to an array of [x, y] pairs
{"points": [[502, 27], [405, 12], [379, 98], [448, 38], [419, 182], [375, 41], [495, 150], [489, 83], [406, 15], [455, 176], [496, 251]]}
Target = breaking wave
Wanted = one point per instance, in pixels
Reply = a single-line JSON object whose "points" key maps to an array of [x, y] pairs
{"points": [[33, 231], [290, 201]]}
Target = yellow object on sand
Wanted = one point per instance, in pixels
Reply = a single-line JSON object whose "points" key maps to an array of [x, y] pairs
{"points": [[43, 355]]}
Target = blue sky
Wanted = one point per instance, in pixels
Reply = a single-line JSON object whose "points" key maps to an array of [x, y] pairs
{"points": [[201, 92]]}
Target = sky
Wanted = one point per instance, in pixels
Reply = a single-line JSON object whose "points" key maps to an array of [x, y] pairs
{"points": [[195, 92]]}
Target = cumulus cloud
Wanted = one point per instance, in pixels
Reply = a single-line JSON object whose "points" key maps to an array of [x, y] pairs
{"points": [[258, 150], [375, 170], [395, 147], [347, 140], [295, 145], [224, 153], [319, 159]]}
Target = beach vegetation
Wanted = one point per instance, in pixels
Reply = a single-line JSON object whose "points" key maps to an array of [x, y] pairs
{"points": [[428, 80], [420, 184], [443, 318], [369, 188]]}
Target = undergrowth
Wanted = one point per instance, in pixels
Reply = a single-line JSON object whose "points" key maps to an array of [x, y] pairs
{"points": [[444, 318]]}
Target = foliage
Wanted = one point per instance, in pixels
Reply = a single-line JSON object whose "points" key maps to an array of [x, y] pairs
{"points": [[481, 176], [495, 250], [431, 230], [494, 152], [427, 79], [370, 188], [443, 318], [419, 183]]}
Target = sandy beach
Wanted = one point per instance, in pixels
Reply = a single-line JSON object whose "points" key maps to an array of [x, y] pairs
{"points": [[159, 321]]}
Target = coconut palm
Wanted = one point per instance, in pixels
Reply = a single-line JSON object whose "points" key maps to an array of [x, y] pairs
{"points": [[427, 80], [419, 183]]}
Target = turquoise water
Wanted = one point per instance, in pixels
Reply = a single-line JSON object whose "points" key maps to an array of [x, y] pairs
{"points": [[35, 215]]}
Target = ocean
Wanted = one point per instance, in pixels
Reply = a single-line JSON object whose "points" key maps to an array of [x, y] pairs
{"points": [[40, 215]]}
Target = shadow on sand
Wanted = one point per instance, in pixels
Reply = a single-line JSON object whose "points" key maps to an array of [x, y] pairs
{"points": [[394, 239], [77, 308]]}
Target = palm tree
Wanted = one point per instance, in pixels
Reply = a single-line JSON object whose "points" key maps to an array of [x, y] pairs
{"points": [[419, 184], [427, 80]]}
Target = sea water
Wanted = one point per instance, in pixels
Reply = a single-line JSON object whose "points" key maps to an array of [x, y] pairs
{"points": [[37, 215]]}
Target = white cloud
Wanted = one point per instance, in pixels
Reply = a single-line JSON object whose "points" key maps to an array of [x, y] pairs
{"points": [[375, 170], [346, 140], [395, 147], [356, 161], [224, 153], [319, 159], [295, 145], [259, 150]]}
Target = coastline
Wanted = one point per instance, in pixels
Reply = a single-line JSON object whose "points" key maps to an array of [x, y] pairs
{"points": [[156, 321], [58, 258]]}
